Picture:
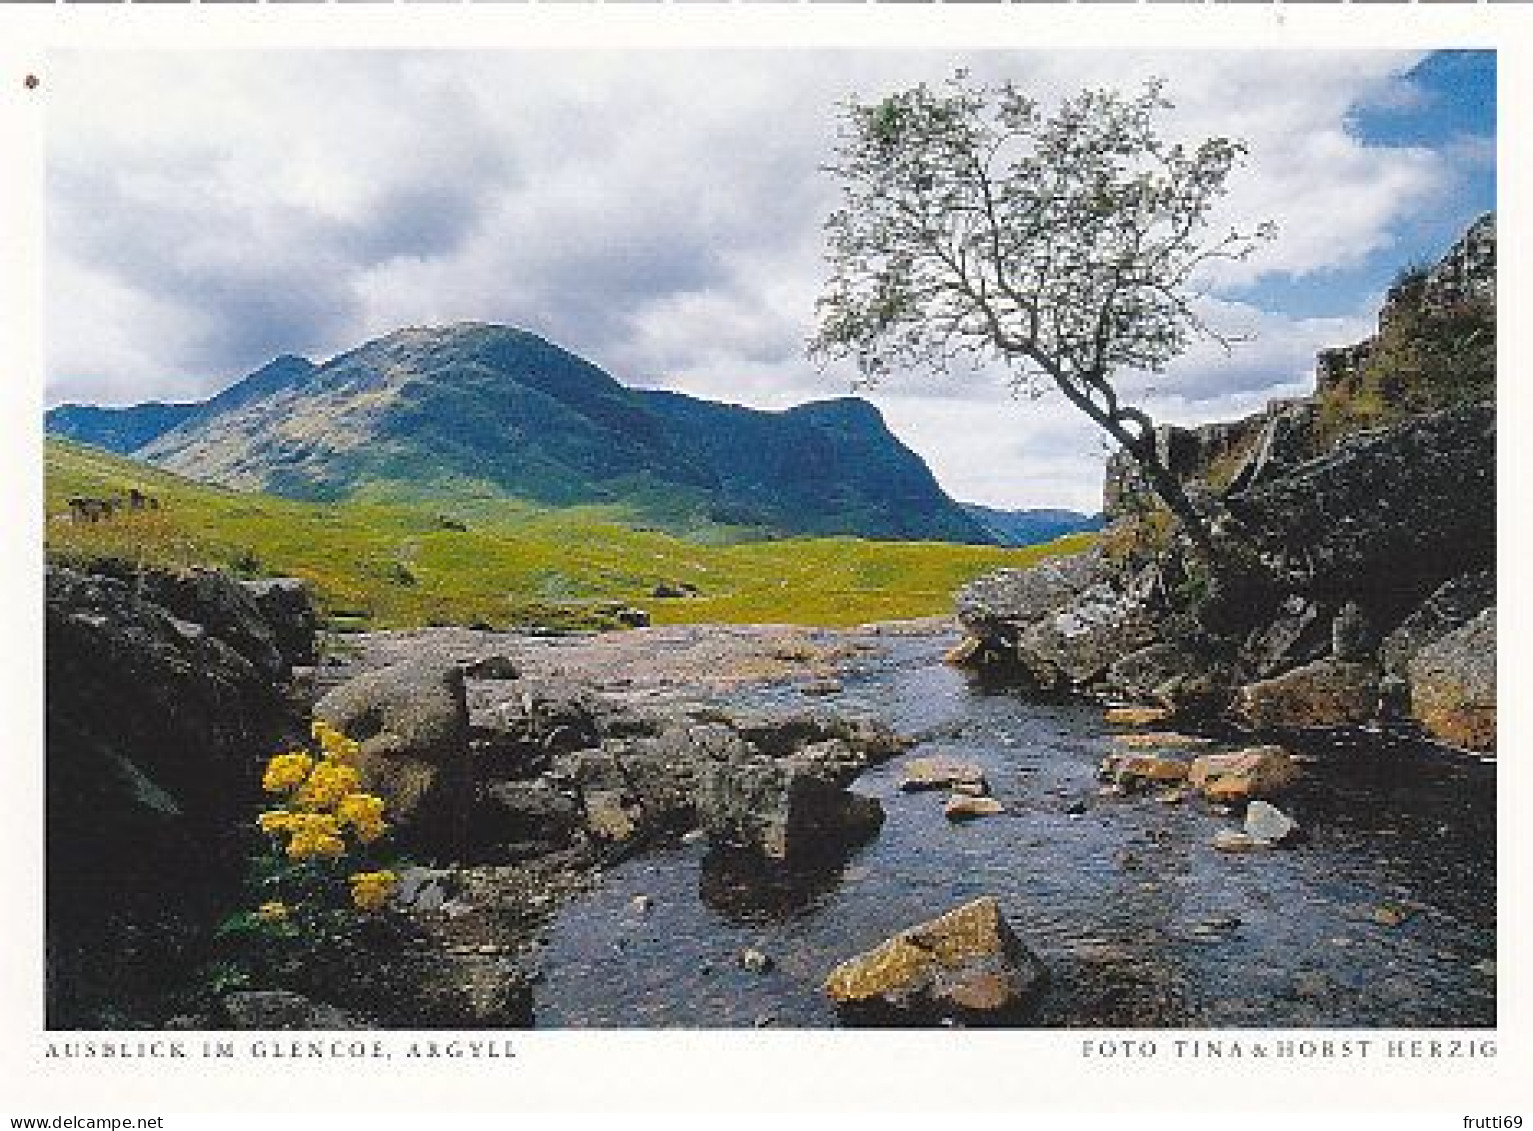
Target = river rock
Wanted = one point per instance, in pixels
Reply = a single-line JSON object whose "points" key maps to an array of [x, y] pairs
{"points": [[961, 807], [1228, 840], [1260, 771], [1133, 770], [967, 966], [526, 818], [1136, 716], [940, 772], [783, 808], [1453, 685], [1161, 740], [1324, 693], [412, 723], [1267, 823], [1076, 646]]}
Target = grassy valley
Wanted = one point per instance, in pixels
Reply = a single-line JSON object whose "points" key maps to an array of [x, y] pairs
{"points": [[398, 563]]}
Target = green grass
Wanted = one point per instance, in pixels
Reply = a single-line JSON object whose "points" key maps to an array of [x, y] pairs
{"points": [[398, 564]]}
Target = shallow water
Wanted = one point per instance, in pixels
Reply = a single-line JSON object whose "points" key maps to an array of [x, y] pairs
{"points": [[1139, 920]]}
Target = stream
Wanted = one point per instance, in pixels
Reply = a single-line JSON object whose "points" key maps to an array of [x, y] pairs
{"points": [[1383, 915]]}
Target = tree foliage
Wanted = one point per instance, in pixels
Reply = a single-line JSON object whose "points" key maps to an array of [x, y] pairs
{"points": [[976, 226]]}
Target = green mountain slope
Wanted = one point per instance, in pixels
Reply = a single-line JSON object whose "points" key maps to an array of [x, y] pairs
{"points": [[501, 412], [410, 564]]}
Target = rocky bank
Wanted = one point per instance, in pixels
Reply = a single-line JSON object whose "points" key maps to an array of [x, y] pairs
{"points": [[1361, 521]]}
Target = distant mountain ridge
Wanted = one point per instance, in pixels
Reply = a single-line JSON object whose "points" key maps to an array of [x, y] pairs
{"points": [[1031, 527], [492, 409]]}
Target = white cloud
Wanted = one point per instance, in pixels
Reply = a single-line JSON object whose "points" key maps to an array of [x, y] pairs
{"points": [[656, 212]]}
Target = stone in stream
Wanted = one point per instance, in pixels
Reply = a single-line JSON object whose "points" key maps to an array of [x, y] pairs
{"points": [[1324, 693], [1136, 716], [1132, 770], [784, 808], [940, 772], [1258, 771], [1268, 823], [1161, 740], [756, 961], [965, 966], [962, 807], [1228, 840]]}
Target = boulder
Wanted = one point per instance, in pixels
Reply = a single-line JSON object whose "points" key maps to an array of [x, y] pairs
{"points": [[1451, 605], [1161, 740], [965, 807], [411, 720], [525, 818], [154, 740], [783, 808], [1164, 673], [1020, 596], [1077, 645], [1269, 824], [1453, 685], [965, 966], [940, 772], [1134, 770], [1324, 693], [1136, 716], [1260, 771], [1228, 840]]}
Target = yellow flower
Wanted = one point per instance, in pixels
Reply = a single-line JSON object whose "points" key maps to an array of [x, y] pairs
{"points": [[335, 745], [329, 782], [286, 771], [364, 813], [276, 821], [371, 890], [310, 842], [273, 911]]}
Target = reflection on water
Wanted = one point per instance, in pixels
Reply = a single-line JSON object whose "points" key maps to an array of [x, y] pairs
{"points": [[1383, 916]]}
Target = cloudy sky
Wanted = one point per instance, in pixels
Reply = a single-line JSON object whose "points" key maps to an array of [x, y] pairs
{"points": [[659, 213]]}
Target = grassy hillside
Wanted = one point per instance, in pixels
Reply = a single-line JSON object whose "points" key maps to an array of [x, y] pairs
{"points": [[407, 563]]}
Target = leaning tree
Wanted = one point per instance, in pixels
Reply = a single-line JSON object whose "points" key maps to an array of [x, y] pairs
{"points": [[1067, 246]]}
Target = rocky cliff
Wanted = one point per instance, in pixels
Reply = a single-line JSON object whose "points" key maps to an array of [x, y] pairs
{"points": [[1359, 525]]}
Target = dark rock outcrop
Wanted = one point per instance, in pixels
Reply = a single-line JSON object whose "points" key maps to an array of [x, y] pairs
{"points": [[162, 703], [1388, 516]]}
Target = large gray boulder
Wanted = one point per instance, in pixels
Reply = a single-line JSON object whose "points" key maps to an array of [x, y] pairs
{"points": [[788, 809], [1021, 596], [412, 723], [1453, 685], [1453, 604]]}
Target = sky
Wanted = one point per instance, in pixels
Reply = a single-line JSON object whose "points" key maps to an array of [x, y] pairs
{"points": [[660, 213]]}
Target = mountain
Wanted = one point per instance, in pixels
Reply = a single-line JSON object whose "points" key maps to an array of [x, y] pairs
{"points": [[1031, 527], [495, 411]]}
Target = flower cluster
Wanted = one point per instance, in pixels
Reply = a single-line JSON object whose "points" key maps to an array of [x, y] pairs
{"points": [[371, 890], [324, 800]]}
